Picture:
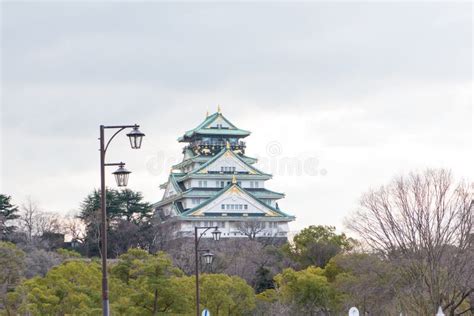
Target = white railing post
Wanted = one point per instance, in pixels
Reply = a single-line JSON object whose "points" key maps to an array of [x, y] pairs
{"points": [[353, 311], [440, 312]]}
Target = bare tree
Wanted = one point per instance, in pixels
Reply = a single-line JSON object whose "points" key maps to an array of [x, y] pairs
{"points": [[48, 223], [162, 234], [423, 223], [74, 227], [28, 216], [250, 228], [35, 222]]}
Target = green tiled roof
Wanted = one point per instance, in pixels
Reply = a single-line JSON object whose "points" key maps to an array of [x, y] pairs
{"points": [[202, 129], [248, 159], [199, 158], [174, 177], [258, 193], [222, 152], [239, 218], [225, 189]]}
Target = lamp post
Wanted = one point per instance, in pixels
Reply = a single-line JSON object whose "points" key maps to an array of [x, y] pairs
{"points": [[208, 256], [121, 176]]}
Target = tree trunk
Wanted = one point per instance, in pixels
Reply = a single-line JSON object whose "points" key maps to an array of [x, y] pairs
{"points": [[155, 303]]}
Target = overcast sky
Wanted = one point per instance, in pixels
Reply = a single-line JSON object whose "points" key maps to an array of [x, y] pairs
{"points": [[354, 94]]}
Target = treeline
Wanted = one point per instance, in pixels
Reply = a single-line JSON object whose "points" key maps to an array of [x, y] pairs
{"points": [[414, 253]]}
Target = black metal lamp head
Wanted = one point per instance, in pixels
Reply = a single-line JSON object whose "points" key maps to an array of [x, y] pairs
{"points": [[216, 234], [121, 175], [208, 257], [135, 137]]}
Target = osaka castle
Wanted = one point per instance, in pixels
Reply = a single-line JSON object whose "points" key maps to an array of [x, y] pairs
{"points": [[217, 184]]}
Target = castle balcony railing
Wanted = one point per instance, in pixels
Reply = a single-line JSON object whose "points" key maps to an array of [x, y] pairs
{"points": [[215, 145], [220, 143]]}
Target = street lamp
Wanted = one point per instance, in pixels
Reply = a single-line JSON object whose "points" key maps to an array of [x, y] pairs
{"points": [[121, 176], [135, 137], [216, 234], [208, 256]]}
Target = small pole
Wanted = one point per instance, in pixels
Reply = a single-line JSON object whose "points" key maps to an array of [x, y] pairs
{"points": [[103, 227], [196, 269]]}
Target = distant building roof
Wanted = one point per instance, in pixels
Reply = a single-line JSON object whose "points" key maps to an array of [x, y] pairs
{"points": [[210, 127]]}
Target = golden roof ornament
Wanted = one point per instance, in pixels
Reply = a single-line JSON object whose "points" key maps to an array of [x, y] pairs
{"points": [[227, 145], [234, 179], [218, 108], [207, 113]]}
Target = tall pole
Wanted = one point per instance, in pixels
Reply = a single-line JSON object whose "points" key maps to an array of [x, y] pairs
{"points": [[103, 227], [197, 269]]}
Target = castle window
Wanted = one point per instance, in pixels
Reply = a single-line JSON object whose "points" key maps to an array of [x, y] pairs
{"points": [[245, 206], [222, 207], [227, 169]]}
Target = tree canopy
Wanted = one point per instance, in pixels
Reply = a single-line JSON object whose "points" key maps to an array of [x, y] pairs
{"points": [[128, 221], [316, 245], [8, 212]]}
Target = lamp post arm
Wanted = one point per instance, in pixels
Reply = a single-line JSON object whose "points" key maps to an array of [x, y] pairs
{"points": [[120, 128], [114, 164], [110, 139], [206, 229]]}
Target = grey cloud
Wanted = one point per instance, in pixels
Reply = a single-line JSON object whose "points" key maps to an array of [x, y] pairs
{"points": [[375, 87]]}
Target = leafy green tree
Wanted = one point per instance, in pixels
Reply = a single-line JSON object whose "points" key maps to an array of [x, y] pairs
{"points": [[154, 284], [8, 212], [226, 295], [68, 254], [72, 288], [316, 245], [11, 268], [308, 291]]}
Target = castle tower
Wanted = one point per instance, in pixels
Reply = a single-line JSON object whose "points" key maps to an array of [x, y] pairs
{"points": [[216, 184]]}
